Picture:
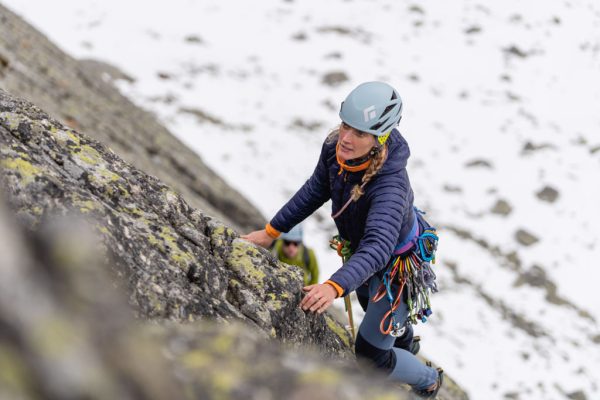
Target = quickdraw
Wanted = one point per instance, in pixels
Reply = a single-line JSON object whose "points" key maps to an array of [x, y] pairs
{"points": [[411, 272]]}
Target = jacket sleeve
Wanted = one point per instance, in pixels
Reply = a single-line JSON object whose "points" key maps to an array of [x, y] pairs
{"points": [[307, 199], [388, 203]]}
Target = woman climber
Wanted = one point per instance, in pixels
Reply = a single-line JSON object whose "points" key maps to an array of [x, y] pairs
{"points": [[385, 242]]}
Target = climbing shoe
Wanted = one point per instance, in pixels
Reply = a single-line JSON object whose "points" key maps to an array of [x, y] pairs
{"points": [[415, 346], [432, 393]]}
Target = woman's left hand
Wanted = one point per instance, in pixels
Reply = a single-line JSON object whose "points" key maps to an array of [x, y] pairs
{"points": [[318, 297]]}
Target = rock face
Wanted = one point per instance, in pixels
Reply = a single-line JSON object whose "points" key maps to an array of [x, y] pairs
{"points": [[178, 263], [67, 333], [79, 93]]}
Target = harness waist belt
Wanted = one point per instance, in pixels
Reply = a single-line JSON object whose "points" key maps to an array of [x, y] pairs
{"points": [[408, 241]]}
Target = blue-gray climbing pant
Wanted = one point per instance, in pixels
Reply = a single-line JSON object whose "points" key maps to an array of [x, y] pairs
{"points": [[378, 348]]}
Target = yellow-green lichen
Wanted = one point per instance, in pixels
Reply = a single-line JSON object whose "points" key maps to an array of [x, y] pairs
{"points": [[222, 344], [85, 206], [391, 396], [273, 303], [37, 210], [182, 258], [196, 359], [108, 175], [53, 336], [62, 137], [26, 170], [133, 210], [338, 330], [323, 376], [89, 155], [240, 259], [12, 119], [13, 375], [154, 301], [218, 235], [223, 382]]}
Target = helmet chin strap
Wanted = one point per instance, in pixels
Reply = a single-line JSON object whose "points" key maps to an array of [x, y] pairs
{"points": [[375, 151]]}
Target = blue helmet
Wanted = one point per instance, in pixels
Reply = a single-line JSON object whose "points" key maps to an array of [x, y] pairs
{"points": [[294, 235], [372, 107]]}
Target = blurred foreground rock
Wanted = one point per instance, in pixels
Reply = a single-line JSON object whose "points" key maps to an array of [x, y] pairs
{"points": [[67, 333]]}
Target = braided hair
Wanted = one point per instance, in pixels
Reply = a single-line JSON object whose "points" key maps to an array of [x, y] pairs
{"points": [[379, 157]]}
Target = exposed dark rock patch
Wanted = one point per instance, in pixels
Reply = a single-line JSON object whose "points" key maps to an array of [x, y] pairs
{"points": [[525, 238], [194, 39], [481, 163], [502, 207], [204, 117], [299, 123], [515, 51], [547, 194], [473, 29], [300, 36], [355, 33], [416, 9], [334, 78], [531, 147], [452, 188], [577, 395]]}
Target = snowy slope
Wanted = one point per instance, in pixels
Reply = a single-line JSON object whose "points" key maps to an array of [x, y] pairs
{"points": [[501, 112]]}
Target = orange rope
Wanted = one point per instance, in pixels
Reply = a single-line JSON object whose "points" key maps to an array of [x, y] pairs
{"points": [[389, 313]]}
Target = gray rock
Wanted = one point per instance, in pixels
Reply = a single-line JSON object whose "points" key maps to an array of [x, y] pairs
{"points": [[481, 163], [547, 194], [335, 78], [179, 263], [502, 207], [67, 333], [525, 238]]}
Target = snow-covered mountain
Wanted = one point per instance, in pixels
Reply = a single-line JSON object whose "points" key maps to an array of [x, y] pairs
{"points": [[500, 109]]}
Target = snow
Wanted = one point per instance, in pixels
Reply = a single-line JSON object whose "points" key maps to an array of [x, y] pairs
{"points": [[479, 82]]}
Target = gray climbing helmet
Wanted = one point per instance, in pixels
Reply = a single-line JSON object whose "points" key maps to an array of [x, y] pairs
{"points": [[294, 235], [372, 107]]}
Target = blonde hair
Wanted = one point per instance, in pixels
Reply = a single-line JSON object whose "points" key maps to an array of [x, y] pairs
{"points": [[376, 164]]}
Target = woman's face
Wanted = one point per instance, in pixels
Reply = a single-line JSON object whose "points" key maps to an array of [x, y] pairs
{"points": [[354, 143]]}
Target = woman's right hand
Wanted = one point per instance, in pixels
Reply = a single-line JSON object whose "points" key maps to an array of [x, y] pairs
{"points": [[260, 238]]}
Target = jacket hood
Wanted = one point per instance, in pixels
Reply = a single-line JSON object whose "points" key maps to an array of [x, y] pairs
{"points": [[398, 153]]}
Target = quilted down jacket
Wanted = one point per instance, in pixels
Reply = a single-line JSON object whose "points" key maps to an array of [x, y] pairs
{"points": [[374, 224]]}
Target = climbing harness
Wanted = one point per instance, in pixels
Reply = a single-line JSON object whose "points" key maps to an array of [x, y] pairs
{"points": [[409, 269]]}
